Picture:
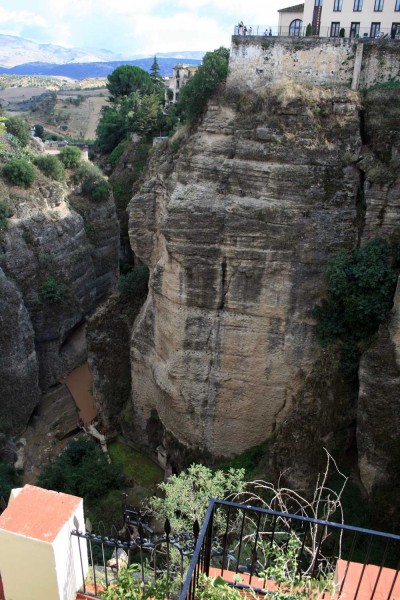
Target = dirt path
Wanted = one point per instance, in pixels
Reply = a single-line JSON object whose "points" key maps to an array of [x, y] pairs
{"points": [[79, 383]]}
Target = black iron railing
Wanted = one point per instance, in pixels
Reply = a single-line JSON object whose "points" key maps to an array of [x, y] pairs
{"points": [[334, 558], [167, 554]]}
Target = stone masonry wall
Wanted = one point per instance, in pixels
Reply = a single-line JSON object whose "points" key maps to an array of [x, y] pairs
{"points": [[257, 61]]}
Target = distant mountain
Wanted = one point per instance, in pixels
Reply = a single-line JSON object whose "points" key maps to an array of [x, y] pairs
{"points": [[95, 69], [16, 50]]}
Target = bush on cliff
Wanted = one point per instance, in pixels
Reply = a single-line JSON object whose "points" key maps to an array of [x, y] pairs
{"points": [[360, 289], [92, 181], [134, 281], [19, 172], [52, 291], [70, 157], [194, 95], [81, 469], [19, 128], [51, 166]]}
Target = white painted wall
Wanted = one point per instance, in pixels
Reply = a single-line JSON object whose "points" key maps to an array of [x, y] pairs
{"points": [[347, 15]]}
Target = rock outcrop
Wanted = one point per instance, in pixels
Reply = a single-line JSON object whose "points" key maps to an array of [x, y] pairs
{"points": [[58, 264], [236, 223]]}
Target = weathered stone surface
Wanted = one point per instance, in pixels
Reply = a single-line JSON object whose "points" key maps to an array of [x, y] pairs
{"points": [[237, 233], [18, 362], [378, 416], [46, 238]]}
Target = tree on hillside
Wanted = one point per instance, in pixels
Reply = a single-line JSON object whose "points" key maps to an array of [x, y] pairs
{"points": [[194, 95], [19, 129], [127, 79], [155, 70]]}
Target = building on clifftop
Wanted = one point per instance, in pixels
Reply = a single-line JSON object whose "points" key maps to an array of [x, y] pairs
{"points": [[342, 18]]}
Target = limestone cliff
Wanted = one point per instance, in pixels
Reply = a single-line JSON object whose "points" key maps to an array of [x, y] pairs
{"points": [[48, 243], [237, 222]]}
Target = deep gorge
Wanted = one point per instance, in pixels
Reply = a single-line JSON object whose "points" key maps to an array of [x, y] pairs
{"points": [[236, 220]]}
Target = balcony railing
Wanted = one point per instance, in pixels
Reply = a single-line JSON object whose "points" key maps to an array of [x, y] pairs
{"points": [[349, 561], [253, 548], [324, 32]]}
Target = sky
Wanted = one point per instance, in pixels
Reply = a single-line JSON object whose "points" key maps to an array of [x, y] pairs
{"points": [[135, 27]]}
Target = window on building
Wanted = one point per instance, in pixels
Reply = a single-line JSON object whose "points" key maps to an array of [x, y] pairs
{"points": [[375, 30], [395, 31], [378, 5], [335, 29], [318, 2], [397, 6], [337, 5], [358, 4], [296, 27], [354, 29]]}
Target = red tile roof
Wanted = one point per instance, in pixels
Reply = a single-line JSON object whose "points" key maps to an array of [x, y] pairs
{"points": [[38, 514]]}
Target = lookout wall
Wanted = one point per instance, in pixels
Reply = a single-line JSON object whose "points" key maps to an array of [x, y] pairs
{"points": [[258, 60]]}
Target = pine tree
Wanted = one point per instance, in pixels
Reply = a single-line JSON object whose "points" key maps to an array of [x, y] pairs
{"points": [[155, 72]]}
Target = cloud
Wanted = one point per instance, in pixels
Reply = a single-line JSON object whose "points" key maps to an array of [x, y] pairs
{"points": [[137, 26]]}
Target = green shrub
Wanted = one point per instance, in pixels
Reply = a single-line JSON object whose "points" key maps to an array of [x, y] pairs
{"points": [[20, 129], [117, 152], [360, 289], [20, 172], [92, 181], [4, 214], [129, 585], [191, 491], [309, 30], [134, 282], [81, 469], [51, 166], [39, 131], [52, 291], [70, 156]]}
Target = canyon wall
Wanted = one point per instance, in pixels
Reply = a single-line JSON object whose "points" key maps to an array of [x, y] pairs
{"points": [[57, 262], [237, 225]]}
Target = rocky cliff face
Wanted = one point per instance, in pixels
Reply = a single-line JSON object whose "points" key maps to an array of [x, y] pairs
{"points": [[237, 226], [49, 248]]}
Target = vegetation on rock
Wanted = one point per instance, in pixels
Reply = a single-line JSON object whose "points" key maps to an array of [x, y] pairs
{"points": [[70, 156], [360, 288], [194, 95], [134, 281], [72, 472], [19, 129], [51, 166], [52, 291], [19, 171]]}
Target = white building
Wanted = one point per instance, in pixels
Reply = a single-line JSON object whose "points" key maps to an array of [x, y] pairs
{"points": [[181, 73], [342, 18]]}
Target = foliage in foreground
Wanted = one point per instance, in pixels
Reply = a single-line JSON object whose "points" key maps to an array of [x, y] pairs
{"points": [[19, 172], [191, 491], [129, 585], [360, 289], [72, 472]]}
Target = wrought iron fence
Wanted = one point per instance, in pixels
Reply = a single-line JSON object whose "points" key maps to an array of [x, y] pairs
{"points": [[136, 543], [273, 551]]}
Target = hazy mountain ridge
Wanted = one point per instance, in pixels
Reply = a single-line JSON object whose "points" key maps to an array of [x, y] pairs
{"points": [[16, 50], [26, 57], [85, 70]]}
